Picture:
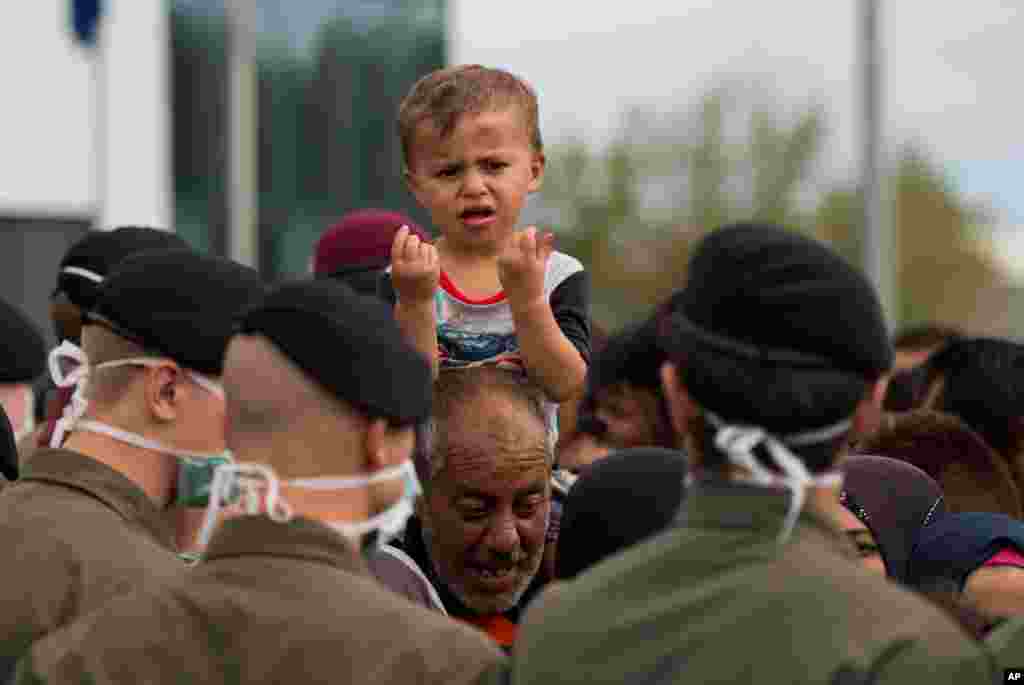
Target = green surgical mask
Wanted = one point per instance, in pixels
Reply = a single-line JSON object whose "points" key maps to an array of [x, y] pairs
{"points": [[195, 475]]}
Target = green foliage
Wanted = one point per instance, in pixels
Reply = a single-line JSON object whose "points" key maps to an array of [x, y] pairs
{"points": [[729, 160], [327, 141], [632, 211]]}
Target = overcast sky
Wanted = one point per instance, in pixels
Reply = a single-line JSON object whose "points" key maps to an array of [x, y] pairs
{"points": [[952, 81]]}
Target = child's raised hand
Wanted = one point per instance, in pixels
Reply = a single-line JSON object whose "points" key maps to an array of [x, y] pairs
{"points": [[522, 263], [415, 268]]}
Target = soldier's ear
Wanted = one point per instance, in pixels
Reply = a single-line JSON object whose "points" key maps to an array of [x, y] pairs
{"points": [[867, 418], [681, 407]]}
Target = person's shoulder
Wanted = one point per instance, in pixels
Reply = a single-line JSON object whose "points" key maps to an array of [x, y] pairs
{"points": [[163, 629], [443, 650], [815, 579], [400, 573]]}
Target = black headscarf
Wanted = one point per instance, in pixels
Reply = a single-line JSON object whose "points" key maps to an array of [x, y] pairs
{"points": [[959, 544], [617, 502], [896, 501], [983, 385]]}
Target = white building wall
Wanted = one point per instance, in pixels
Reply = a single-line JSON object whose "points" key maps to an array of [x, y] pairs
{"points": [[58, 158]]}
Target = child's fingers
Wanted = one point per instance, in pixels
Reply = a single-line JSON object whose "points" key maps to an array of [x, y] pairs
{"points": [[530, 241], [547, 245], [412, 248], [423, 254], [398, 244]]}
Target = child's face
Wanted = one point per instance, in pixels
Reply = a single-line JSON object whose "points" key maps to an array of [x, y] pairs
{"points": [[475, 181]]}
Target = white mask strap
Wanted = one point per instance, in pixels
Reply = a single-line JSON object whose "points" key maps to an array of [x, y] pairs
{"points": [[231, 478], [738, 444], [349, 482], [70, 368]]}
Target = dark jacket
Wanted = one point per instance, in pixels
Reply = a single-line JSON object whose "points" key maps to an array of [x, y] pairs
{"points": [[269, 603]]}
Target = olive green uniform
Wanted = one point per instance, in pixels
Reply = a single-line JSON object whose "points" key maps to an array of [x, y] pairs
{"points": [[75, 533], [721, 600], [269, 603]]}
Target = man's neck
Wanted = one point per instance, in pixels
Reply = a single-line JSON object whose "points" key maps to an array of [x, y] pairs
{"points": [[154, 472], [327, 506]]}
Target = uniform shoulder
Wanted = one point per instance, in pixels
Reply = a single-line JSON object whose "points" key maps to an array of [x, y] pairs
{"points": [[871, 609], [444, 650]]}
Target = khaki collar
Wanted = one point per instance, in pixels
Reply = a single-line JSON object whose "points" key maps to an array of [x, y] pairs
{"points": [[761, 511], [300, 538], [77, 471]]}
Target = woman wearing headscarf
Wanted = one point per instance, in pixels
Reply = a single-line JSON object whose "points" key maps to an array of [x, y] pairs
{"points": [[982, 553], [972, 475], [891, 502], [891, 506]]}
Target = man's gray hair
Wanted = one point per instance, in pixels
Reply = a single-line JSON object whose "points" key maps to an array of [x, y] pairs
{"points": [[457, 386]]}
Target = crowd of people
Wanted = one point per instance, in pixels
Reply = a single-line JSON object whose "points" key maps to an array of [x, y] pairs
{"points": [[422, 462]]}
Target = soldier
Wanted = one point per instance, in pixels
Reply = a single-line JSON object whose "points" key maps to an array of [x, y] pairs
{"points": [[778, 355], [87, 522], [323, 394], [82, 271]]}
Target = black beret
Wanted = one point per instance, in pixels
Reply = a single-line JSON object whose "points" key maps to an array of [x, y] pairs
{"points": [[179, 303], [766, 295], [349, 343], [617, 502], [24, 357], [92, 258]]}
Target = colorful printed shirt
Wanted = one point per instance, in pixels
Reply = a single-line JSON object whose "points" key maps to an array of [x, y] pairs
{"points": [[474, 332]]}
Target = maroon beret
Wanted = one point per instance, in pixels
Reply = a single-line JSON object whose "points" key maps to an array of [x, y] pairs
{"points": [[362, 239]]}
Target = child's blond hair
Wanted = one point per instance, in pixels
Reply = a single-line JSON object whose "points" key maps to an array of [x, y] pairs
{"points": [[444, 95]]}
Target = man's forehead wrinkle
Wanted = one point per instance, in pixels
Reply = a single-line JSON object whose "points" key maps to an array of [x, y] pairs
{"points": [[468, 463]]}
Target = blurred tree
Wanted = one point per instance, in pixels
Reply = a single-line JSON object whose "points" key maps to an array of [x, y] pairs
{"points": [[631, 212], [329, 84], [943, 270], [199, 137]]}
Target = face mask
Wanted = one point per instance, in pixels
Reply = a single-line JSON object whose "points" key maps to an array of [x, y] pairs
{"points": [[195, 479], [69, 367], [738, 444], [257, 488], [389, 523]]}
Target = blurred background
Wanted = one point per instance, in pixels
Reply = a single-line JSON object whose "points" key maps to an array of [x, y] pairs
{"points": [[890, 129]]}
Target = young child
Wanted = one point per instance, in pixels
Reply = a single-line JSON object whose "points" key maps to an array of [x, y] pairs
{"points": [[485, 292]]}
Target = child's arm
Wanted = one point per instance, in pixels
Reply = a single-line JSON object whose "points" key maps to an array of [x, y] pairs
{"points": [[550, 358], [415, 275]]}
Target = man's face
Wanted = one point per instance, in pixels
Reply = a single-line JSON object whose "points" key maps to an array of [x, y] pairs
{"points": [[863, 540], [632, 416], [487, 510], [475, 181]]}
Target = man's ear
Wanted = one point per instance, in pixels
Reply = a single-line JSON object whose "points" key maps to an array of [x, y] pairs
{"points": [[867, 418], [681, 407], [163, 392], [537, 165]]}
